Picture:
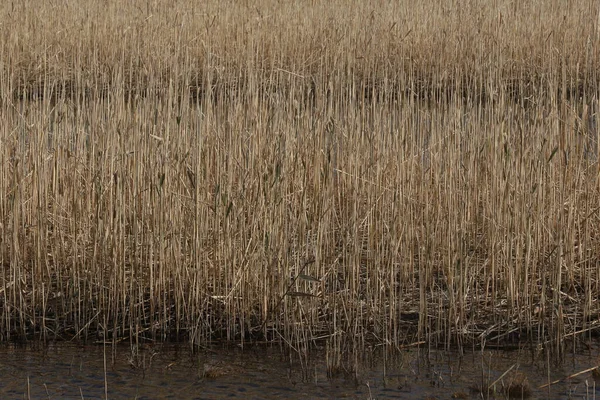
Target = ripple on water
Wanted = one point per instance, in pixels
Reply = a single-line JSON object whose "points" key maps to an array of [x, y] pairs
{"points": [[66, 371]]}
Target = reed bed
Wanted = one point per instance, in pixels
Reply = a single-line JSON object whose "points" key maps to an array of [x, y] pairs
{"points": [[347, 173]]}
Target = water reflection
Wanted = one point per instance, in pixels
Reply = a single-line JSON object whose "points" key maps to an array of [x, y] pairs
{"points": [[65, 371]]}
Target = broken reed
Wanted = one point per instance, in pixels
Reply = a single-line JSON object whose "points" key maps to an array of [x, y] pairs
{"points": [[362, 173]]}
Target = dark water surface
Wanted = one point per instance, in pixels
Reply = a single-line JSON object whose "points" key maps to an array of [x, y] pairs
{"points": [[67, 371]]}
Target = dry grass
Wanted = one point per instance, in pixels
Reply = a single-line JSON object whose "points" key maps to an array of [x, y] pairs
{"points": [[370, 172]]}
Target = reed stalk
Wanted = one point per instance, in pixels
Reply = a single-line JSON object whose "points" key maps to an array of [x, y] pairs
{"points": [[354, 172]]}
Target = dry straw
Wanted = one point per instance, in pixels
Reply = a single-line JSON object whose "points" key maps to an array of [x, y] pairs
{"points": [[353, 172]]}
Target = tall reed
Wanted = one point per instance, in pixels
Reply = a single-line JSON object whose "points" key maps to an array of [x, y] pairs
{"points": [[359, 172]]}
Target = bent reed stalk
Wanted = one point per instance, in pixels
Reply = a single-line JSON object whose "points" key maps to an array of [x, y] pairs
{"points": [[371, 172]]}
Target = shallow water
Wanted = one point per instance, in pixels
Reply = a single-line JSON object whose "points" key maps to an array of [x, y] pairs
{"points": [[67, 371]]}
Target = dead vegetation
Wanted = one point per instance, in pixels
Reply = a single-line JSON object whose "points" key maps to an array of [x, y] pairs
{"points": [[357, 173]]}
